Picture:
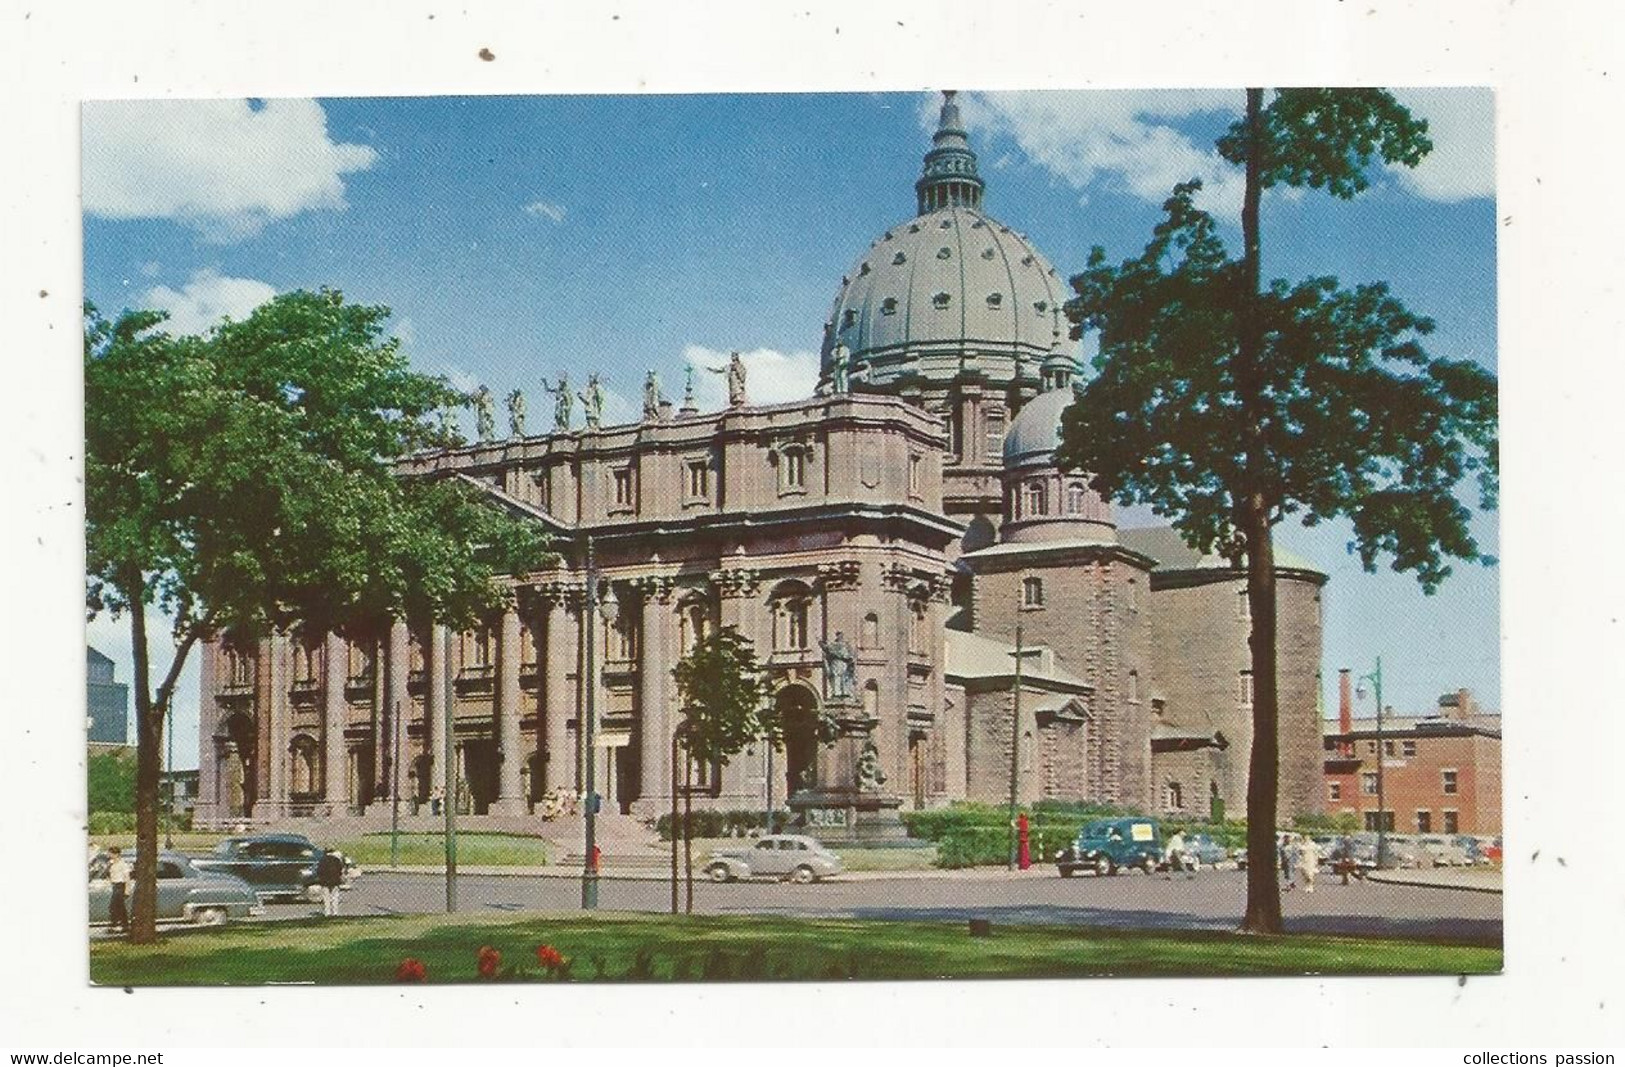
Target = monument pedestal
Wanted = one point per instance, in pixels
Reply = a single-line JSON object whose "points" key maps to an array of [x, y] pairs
{"points": [[847, 803]]}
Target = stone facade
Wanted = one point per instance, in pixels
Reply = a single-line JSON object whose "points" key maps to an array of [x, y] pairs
{"points": [[913, 507]]}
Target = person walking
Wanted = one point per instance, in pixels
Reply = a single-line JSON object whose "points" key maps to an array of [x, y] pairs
{"points": [[118, 873], [1308, 858], [330, 875], [1175, 854], [1285, 848]]}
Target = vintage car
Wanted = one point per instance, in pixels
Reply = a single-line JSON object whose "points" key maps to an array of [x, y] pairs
{"points": [[1105, 845], [184, 893], [792, 856], [276, 865]]}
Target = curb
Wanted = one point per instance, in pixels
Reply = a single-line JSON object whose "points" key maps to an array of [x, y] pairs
{"points": [[1390, 878]]}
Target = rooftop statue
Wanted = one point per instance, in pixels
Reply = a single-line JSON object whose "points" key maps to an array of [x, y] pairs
{"points": [[736, 381], [651, 397], [485, 420], [592, 401], [516, 414], [563, 402], [840, 369]]}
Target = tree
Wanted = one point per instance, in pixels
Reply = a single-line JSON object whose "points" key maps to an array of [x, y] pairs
{"points": [[243, 480], [110, 780], [1228, 406], [724, 707]]}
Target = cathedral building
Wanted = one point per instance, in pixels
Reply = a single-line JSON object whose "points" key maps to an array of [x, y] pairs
{"points": [[903, 549]]}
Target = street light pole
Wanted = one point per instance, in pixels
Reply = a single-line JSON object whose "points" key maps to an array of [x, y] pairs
{"points": [[449, 776], [169, 775], [1375, 678], [1015, 749], [589, 733]]}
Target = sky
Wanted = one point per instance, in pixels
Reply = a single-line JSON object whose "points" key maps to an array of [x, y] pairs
{"points": [[517, 238]]}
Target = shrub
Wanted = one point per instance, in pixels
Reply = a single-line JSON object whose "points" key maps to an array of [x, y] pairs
{"points": [[111, 822], [110, 778], [711, 822]]}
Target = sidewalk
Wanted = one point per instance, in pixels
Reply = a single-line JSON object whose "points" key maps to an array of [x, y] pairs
{"points": [[662, 873], [1467, 879]]}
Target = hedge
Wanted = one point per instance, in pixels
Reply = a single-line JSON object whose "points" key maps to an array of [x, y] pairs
{"points": [[709, 822]]}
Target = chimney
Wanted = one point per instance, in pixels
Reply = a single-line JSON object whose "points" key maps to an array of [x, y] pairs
{"points": [[1345, 702]]}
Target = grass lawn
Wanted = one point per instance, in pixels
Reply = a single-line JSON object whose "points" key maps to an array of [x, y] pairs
{"points": [[621, 947]]}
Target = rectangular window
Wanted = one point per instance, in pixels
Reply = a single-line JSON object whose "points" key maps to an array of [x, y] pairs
{"points": [[699, 479], [1032, 592], [623, 487], [793, 463], [1424, 822], [914, 466], [1133, 687], [1448, 782], [1244, 607], [1133, 594], [1368, 783], [1387, 748], [1245, 688], [1452, 823], [994, 423], [1334, 790], [1387, 821], [1407, 748], [1371, 747]]}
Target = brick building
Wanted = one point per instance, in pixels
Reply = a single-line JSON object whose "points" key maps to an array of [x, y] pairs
{"points": [[912, 510], [1441, 773]]}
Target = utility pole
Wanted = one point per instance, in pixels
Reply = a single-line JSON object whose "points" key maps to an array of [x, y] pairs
{"points": [[589, 733], [1015, 749], [448, 776], [1375, 678], [169, 775], [395, 787]]}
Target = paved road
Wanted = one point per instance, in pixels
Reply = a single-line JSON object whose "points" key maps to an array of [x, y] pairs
{"points": [[1210, 900]]}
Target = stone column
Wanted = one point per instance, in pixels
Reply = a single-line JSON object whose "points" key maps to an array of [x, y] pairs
{"points": [[335, 766], [208, 762], [558, 702], [271, 770], [654, 695], [510, 754], [436, 715], [397, 656]]}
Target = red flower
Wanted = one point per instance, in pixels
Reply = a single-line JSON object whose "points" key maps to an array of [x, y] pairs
{"points": [[549, 957], [490, 961], [411, 970]]}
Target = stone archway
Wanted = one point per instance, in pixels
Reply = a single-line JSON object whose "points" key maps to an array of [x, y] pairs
{"points": [[797, 708]]}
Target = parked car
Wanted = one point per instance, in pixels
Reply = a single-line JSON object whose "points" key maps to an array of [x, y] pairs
{"points": [[1105, 845], [1445, 852], [792, 856], [276, 865], [1200, 850], [184, 892]]}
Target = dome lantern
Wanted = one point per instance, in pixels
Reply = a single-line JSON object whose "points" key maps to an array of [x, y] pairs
{"points": [[949, 177]]}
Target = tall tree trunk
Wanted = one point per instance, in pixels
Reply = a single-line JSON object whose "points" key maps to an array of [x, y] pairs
{"points": [[676, 817], [688, 831], [1263, 886], [149, 737]]}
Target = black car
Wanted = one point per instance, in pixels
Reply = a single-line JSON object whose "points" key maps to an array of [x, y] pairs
{"points": [[275, 865]]}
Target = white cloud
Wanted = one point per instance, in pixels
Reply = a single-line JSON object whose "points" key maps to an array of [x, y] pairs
{"points": [[460, 379], [1128, 141], [1461, 124], [771, 376], [545, 210], [1115, 140], [205, 299], [223, 167]]}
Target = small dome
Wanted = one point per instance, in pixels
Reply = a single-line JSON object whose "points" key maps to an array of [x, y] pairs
{"points": [[1036, 432]]}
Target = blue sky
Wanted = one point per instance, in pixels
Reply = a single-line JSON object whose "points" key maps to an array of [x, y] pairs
{"points": [[519, 237]]}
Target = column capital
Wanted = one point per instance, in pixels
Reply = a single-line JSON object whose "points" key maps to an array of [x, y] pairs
{"points": [[736, 582], [841, 574], [918, 584], [655, 588]]}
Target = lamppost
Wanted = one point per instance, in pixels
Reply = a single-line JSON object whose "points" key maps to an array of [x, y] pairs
{"points": [[1375, 678], [169, 775], [612, 609], [1015, 750]]}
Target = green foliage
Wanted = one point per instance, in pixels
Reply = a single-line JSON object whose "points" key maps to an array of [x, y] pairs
{"points": [[1342, 823], [1342, 410], [709, 822], [102, 823], [723, 698], [111, 780]]}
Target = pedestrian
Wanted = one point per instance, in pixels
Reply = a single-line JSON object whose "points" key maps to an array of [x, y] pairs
{"points": [[118, 873], [329, 876], [1308, 861], [1176, 851], [436, 798], [1285, 848]]}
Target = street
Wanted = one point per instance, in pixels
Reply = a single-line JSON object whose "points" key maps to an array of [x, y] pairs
{"points": [[1212, 900]]}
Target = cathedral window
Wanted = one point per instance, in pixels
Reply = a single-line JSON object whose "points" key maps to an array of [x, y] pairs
{"points": [[625, 492], [699, 479], [940, 300], [869, 635], [993, 424], [1244, 606], [792, 616], [1074, 498], [1133, 687], [995, 299], [476, 649], [1032, 592], [1245, 689], [1173, 797], [849, 317], [1037, 499], [303, 751], [793, 470], [694, 622], [1131, 593], [917, 630], [915, 463], [871, 699], [888, 306]]}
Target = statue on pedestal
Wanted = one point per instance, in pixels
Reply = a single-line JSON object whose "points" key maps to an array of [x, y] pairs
{"points": [[563, 402], [516, 414], [485, 420], [840, 668], [651, 397], [593, 401], [840, 369]]}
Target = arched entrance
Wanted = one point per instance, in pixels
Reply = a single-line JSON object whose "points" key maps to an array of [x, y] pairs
{"points": [[234, 743], [797, 708]]}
